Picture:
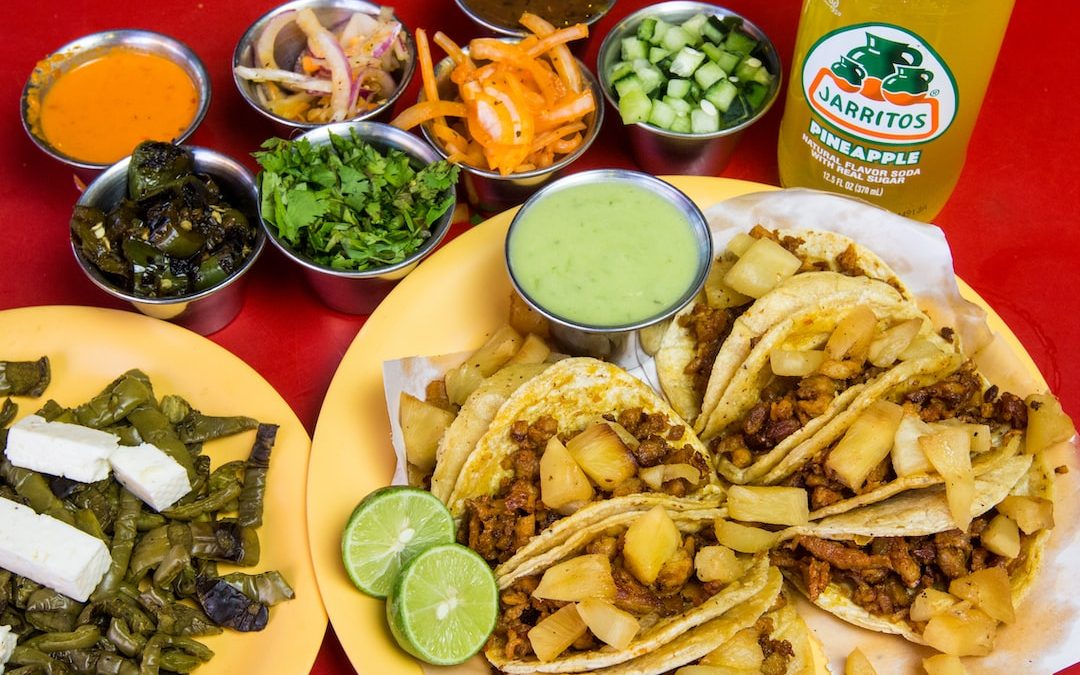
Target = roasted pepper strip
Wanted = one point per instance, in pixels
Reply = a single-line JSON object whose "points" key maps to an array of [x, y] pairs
{"points": [[255, 470], [33, 487], [123, 541], [25, 378], [82, 637], [154, 427], [196, 427], [116, 401], [8, 412]]}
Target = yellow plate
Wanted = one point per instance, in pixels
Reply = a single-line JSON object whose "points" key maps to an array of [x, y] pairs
{"points": [[89, 347], [449, 304]]}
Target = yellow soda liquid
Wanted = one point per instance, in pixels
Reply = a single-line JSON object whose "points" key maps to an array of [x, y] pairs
{"points": [[883, 97]]}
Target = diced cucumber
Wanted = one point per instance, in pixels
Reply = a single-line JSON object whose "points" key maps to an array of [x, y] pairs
{"points": [[704, 122], [676, 38], [627, 84], [709, 73], [650, 76], [680, 106], [728, 61], [751, 69], [730, 23], [756, 93], [658, 54], [686, 62], [659, 31], [711, 51], [721, 94], [694, 24], [661, 115], [620, 70], [737, 113], [714, 31], [682, 124], [645, 29], [677, 88], [634, 107], [633, 48], [739, 42]]}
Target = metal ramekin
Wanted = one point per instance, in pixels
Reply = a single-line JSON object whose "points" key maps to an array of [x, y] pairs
{"points": [[91, 47], [360, 292], [208, 310], [663, 152], [618, 344]]}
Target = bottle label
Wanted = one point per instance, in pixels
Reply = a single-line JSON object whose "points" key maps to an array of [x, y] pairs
{"points": [[880, 84]]}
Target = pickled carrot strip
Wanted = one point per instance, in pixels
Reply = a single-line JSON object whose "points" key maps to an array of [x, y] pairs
{"points": [[560, 54], [428, 110]]}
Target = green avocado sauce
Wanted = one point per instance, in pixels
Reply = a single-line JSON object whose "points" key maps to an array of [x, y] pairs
{"points": [[603, 254]]}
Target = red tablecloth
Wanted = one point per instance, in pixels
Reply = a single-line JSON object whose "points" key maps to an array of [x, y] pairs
{"points": [[1012, 220]]}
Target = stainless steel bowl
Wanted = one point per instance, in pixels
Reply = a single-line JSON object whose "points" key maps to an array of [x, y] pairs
{"points": [[517, 31], [657, 150], [618, 344], [361, 292], [291, 42], [490, 192], [90, 47], [206, 311]]}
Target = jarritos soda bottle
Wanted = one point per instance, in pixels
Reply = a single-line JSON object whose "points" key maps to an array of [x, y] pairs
{"points": [[884, 94]]}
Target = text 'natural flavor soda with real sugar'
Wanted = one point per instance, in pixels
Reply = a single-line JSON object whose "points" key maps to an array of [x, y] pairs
{"points": [[883, 97]]}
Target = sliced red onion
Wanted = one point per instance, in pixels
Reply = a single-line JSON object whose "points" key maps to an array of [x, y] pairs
{"points": [[264, 46], [360, 25], [341, 80], [286, 77], [387, 41], [385, 84]]}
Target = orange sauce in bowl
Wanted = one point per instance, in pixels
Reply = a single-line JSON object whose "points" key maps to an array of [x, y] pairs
{"points": [[101, 109]]}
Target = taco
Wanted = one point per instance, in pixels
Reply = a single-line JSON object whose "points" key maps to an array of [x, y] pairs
{"points": [[632, 586], [693, 368], [749, 638], [813, 371], [584, 432], [879, 454], [901, 566]]}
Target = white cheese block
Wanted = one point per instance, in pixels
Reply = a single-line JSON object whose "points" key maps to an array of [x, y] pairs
{"points": [[50, 552], [60, 449], [150, 474], [7, 645]]}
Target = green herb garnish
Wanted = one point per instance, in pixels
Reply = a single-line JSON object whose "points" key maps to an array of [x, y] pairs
{"points": [[348, 206]]}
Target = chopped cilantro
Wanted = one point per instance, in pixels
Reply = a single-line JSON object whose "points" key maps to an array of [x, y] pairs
{"points": [[347, 205]]}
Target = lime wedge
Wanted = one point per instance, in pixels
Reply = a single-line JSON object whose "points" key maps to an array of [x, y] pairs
{"points": [[388, 528], [444, 605]]}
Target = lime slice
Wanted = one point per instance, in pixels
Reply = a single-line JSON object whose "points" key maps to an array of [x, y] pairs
{"points": [[444, 605], [388, 528]]}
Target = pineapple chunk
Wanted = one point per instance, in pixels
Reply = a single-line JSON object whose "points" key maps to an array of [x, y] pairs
{"points": [[944, 664], [866, 442], [1031, 514], [586, 576], [739, 244], [602, 455], [563, 485], [608, 623], [650, 542], [553, 635], [887, 347], [907, 457], [949, 452], [761, 268], [852, 336], [989, 590], [741, 652], [772, 505], [1047, 424], [795, 363], [492, 355], [533, 350], [858, 664], [1002, 536], [524, 319], [743, 538], [625, 436], [718, 563], [929, 603], [961, 631], [652, 335], [422, 426], [717, 293], [656, 476]]}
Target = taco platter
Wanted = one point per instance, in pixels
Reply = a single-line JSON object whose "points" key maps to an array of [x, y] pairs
{"points": [[912, 455]]}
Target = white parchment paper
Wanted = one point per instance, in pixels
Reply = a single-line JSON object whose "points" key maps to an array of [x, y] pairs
{"points": [[1046, 635]]}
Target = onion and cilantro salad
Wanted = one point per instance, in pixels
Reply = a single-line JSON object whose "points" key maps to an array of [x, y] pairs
{"points": [[349, 206], [697, 77]]}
